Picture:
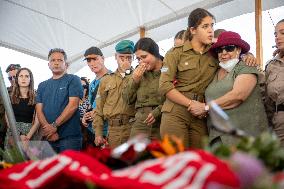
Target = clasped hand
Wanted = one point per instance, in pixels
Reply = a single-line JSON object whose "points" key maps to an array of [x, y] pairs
{"points": [[197, 109]]}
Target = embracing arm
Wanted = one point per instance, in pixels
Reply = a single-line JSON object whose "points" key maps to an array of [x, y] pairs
{"points": [[242, 88], [177, 97]]}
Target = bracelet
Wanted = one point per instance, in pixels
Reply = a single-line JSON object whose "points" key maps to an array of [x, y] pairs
{"points": [[190, 101], [54, 124], [206, 108]]}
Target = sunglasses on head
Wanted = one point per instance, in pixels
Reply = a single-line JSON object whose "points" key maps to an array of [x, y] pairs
{"points": [[227, 48], [11, 78]]}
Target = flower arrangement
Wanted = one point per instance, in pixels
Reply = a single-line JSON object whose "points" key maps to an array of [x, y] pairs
{"points": [[252, 163]]}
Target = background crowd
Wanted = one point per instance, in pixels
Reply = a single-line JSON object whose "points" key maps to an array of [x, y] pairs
{"points": [[162, 96]]}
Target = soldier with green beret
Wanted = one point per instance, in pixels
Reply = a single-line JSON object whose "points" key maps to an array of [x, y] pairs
{"points": [[110, 105], [142, 89]]}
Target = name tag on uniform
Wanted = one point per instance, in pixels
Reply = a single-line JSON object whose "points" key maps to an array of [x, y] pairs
{"points": [[164, 69]]}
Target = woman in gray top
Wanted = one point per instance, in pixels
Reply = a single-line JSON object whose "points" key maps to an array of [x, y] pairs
{"points": [[235, 89]]}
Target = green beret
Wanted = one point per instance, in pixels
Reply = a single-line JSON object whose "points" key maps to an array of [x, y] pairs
{"points": [[125, 47]]}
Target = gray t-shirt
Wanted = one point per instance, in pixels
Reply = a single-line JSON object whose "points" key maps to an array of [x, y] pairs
{"points": [[250, 115]]}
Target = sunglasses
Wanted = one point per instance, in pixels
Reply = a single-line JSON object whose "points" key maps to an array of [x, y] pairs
{"points": [[227, 48], [11, 78]]}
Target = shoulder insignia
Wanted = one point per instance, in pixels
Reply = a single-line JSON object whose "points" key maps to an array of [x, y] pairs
{"points": [[164, 69]]}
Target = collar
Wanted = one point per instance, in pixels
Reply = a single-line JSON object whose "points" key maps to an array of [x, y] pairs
{"points": [[188, 46]]}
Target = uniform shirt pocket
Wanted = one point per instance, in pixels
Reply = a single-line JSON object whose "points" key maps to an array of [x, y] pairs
{"points": [[168, 106], [186, 65], [110, 87]]}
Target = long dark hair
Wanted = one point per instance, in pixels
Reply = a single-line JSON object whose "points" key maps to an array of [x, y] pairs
{"points": [[87, 84], [15, 96], [194, 20], [149, 45]]}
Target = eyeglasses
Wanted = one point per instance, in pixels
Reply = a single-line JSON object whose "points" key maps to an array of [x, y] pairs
{"points": [[227, 48], [11, 78]]}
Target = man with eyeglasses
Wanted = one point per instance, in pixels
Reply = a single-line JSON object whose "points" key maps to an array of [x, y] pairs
{"points": [[95, 60], [57, 105], [12, 70], [110, 104]]}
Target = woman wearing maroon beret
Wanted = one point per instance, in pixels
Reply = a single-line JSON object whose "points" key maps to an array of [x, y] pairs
{"points": [[235, 88]]}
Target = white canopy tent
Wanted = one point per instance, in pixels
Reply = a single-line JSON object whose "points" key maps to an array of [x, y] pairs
{"points": [[35, 26]]}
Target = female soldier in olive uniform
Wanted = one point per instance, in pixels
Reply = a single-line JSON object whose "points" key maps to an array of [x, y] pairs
{"points": [[142, 89], [194, 68], [275, 85]]}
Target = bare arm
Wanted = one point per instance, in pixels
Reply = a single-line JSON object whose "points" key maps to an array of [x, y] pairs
{"points": [[40, 115], [242, 88], [34, 128], [68, 111], [177, 97]]}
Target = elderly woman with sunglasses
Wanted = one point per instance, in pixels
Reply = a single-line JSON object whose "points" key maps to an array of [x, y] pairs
{"points": [[235, 89]]}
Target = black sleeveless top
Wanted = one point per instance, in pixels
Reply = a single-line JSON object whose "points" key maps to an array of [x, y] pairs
{"points": [[23, 112]]}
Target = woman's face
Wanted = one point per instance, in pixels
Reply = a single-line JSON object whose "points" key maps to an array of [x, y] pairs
{"points": [[279, 36], [228, 52], [24, 78], [146, 58], [204, 32]]}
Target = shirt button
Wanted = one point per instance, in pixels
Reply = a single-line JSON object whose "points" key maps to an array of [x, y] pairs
{"points": [[186, 63]]}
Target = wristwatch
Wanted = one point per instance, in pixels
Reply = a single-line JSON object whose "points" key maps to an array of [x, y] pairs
{"points": [[206, 107], [54, 124]]}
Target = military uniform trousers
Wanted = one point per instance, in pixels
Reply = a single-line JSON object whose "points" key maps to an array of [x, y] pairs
{"points": [[119, 130], [278, 125], [176, 120], [141, 127]]}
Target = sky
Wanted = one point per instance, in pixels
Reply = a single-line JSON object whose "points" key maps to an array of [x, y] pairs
{"points": [[245, 27]]}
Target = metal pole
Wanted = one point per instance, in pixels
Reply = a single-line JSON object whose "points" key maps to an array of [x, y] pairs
{"points": [[142, 32], [10, 114]]}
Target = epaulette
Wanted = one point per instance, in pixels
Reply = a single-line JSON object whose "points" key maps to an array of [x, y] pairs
{"points": [[175, 47], [268, 62]]}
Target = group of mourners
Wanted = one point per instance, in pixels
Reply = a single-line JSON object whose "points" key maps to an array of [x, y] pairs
{"points": [[162, 96]]}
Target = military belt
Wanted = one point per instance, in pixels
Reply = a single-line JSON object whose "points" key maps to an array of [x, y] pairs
{"points": [[194, 96], [120, 120], [279, 108], [146, 109]]}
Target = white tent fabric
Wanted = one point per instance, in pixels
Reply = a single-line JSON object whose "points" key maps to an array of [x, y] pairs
{"points": [[35, 26]]}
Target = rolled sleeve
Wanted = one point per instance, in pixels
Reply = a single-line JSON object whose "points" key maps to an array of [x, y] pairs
{"points": [[168, 73], [129, 93]]}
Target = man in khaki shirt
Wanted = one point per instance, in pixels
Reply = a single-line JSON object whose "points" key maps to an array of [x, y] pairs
{"points": [[110, 105]]}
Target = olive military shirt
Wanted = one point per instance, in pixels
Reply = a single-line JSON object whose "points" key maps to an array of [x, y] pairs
{"points": [[145, 93], [109, 100], [193, 70], [274, 74]]}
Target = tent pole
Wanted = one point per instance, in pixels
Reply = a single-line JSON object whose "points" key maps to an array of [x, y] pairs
{"points": [[258, 30], [142, 32], [10, 114]]}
